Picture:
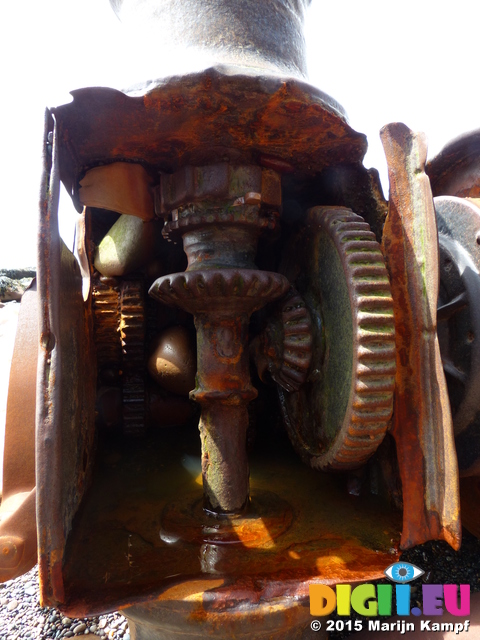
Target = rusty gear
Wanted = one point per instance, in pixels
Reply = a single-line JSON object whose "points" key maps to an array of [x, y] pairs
{"points": [[340, 416], [106, 313], [284, 348], [119, 321], [132, 331]]}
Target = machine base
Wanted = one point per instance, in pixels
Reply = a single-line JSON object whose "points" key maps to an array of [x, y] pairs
{"points": [[255, 580]]}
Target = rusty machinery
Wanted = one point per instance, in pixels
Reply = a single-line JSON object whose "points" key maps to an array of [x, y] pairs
{"points": [[230, 204]]}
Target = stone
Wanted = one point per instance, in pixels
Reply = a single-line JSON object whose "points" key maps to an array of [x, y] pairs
{"points": [[11, 289], [19, 274], [126, 247], [13, 604], [79, 628]]}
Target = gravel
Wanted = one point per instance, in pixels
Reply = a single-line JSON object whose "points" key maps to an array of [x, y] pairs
{"points": [[21, 616]]}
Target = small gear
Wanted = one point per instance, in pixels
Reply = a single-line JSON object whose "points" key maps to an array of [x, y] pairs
{"points": [[119, 330], [284, 348], [106, 313], [132, 331], [341, 414]]}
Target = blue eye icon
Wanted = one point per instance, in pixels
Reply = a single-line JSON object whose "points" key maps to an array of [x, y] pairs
{"points": [[403, 572]]}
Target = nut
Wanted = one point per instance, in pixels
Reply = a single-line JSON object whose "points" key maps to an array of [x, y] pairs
{"points": [[219, 184]]}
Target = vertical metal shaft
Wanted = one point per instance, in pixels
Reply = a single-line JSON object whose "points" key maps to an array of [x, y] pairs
{"points": [[223, 391], [222, 288]]}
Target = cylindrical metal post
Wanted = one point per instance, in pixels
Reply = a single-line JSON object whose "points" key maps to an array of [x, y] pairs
{"points": [[223, 391], [220, 212], [222, 301], [266, 35]]}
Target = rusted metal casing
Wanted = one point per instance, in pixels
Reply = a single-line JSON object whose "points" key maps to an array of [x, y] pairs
{"points": [[258, 176]]}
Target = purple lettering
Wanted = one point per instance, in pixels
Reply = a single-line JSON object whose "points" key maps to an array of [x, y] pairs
{"points": [[432, 599]]}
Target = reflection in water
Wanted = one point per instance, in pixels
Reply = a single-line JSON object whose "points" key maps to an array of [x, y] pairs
{"points": [[300, 525], [168, 538], [245, 536], [193, 465], [210, 557]]}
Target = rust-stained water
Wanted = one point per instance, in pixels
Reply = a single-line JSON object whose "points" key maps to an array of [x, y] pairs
{"points": [[136, 537], [266, 517]]}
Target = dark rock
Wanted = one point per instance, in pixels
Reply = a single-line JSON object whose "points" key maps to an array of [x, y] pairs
{"points": [[18, 274], [12, 289]]}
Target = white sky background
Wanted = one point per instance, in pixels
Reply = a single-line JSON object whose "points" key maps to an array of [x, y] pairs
{"points": [[414, 61]]}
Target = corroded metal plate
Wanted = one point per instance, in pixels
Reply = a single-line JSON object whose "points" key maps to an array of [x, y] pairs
{"points": [[66, 378], [199, 118], [422, 422]]}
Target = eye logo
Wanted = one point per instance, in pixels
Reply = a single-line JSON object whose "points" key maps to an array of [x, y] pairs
{"points": [[403, 572]]}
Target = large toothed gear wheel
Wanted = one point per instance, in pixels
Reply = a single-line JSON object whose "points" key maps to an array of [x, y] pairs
{"points": [[340, 415]]}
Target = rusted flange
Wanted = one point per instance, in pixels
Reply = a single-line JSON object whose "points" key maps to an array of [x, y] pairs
{"points": [[196, 119]]}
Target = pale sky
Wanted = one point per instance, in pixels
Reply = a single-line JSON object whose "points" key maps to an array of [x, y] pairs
{"points": [[414, 61]]}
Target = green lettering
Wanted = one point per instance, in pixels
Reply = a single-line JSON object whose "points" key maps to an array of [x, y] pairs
{"points": [[384, 597], [361, 595]]}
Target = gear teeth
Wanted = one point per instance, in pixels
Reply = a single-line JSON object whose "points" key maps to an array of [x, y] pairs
{"points": [[375, 354], [297, 342], [106, 314], [119, 334], [132, 331]]}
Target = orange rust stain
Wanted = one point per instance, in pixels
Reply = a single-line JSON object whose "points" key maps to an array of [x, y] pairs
{"points": [[190, 590]]}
